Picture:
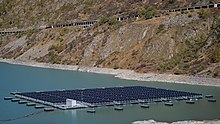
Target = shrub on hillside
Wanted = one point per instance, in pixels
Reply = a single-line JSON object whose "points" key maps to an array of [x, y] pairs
{"points": [[64, 31], [216, 27], [204, 14], [111, 22], [103, 20], [53, 47], [148, 13], [172, 1], [215, 56], [160, 28], [54, 59]]}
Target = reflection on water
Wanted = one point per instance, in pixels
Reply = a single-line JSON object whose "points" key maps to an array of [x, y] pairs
{"points": [[73, 113]]}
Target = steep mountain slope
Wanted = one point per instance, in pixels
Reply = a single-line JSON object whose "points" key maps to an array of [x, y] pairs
{"points": [[35, 13], [179, 43]]}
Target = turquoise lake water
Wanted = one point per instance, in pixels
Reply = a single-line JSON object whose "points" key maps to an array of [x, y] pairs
{"points": [[23, 78]]}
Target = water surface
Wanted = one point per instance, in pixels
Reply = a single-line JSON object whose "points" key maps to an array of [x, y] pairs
{"points": [[23, 78]]}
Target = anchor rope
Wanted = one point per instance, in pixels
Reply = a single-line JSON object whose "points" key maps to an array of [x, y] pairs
{"points": [[21, 117]]}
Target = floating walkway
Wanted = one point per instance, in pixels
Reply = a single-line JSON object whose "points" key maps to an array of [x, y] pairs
{"points": [[212, 100], [8, 98], [208, 96], [91, 111], [190, 102], [22, 102], [39, 106], [145, 106], [82, 98], [31, 104], [48, 109], [15, 100], [118, 108], [168, 104]]}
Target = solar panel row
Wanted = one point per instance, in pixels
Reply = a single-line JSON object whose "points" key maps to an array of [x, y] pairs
{"points": [[103, 95], [43, 97]]}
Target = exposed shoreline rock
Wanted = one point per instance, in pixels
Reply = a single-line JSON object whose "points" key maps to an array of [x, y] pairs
{"points": [[126, 74], [179, 122]]}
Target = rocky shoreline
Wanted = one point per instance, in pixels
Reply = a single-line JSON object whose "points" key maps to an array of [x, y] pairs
{"points": [[126, 74], [179, 122]]}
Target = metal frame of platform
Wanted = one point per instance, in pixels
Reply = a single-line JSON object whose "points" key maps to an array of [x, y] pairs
{"points": [[81, 98]]}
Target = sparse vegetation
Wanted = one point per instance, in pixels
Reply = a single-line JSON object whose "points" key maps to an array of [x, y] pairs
{"points": [[215, 56], [216, 27], [115, 66], [53, 47], [103, 20], [64, 31], [204, 14], [189, 16], [148, 13], [187, 55], [54, 59], [111, 22], [155, 45], [115, 24], [160, 28], [172, 1], [31, 32]]}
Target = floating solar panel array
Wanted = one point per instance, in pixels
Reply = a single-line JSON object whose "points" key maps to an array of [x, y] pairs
{"points": [[103, 96]]}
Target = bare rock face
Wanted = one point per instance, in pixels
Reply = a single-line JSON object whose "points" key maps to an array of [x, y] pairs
{"points": [[89, 57], [178, 43], [181, 19], [119, 40], [11, 46]]}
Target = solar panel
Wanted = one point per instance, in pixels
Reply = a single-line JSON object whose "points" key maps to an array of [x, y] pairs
{"points": [[106, 95]]}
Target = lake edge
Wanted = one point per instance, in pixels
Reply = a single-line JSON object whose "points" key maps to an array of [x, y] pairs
{"points": [[125, 74]]}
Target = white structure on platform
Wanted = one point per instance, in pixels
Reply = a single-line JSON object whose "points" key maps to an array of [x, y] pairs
{"points": [[71, 103]]}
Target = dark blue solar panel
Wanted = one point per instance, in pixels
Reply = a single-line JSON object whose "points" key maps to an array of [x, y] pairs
{"points": [[101, 95]]}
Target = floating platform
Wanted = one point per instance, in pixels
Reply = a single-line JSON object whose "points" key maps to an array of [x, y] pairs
{"points": [[179, 99], [200, 97], [168, 104], [165, 100], [14, 93], [15, 100], [118, 108], [135, 102], [211, 100], [208, 96], [31, 104], [186, 98], [22, 102], [91, 111], [39, 106], [48, 109], [190, 102], [92, 106], [117, 103], [110, 104], [82, 98], [145, 106], [8, 98], [157, 100], [142, 101]]}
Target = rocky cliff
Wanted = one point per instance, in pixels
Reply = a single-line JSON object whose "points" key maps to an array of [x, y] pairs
{"points": [[179, 43]]}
